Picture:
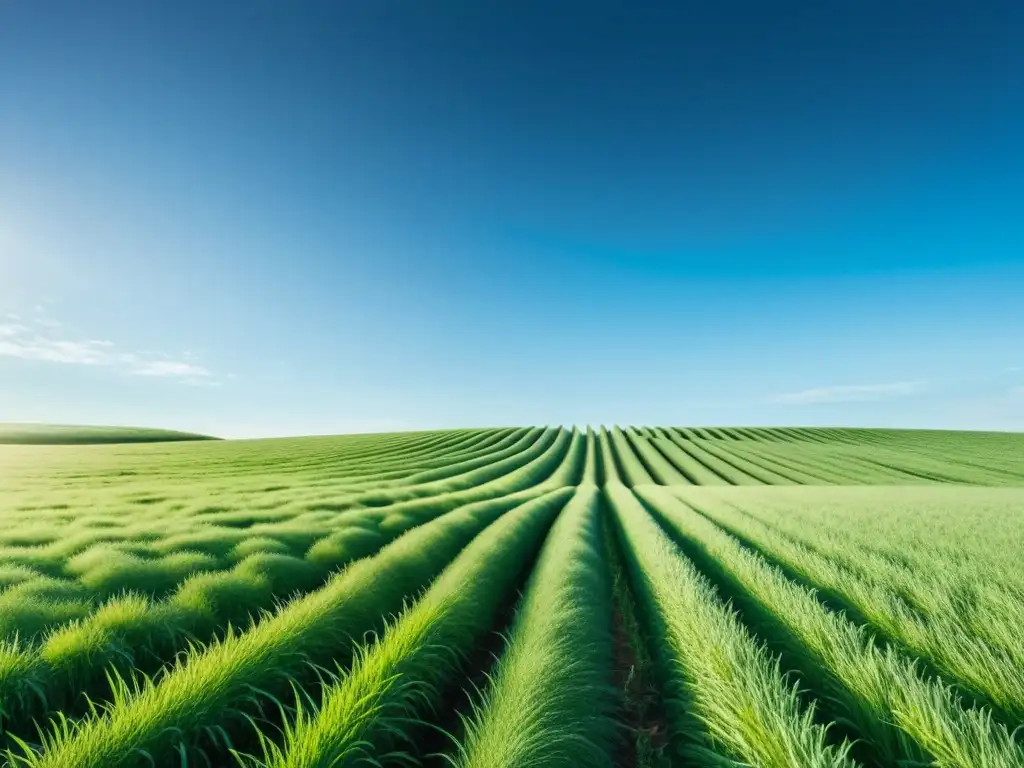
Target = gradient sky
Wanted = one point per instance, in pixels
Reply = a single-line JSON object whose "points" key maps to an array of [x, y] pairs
{"points": [[268, 217]]}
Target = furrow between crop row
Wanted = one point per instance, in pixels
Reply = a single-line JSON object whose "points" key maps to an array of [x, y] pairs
{"points": [[728, 698], [696, 455], [694, 471], [630, 465], [719, 451], [550, 701]]}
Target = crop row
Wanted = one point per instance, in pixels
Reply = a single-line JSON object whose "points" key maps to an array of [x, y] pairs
{"points": [[133, 633], [548, 700], [900, 713], [334, 617]]}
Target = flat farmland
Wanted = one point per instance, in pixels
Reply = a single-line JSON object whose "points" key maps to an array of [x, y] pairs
{"points": [[496, 598]]}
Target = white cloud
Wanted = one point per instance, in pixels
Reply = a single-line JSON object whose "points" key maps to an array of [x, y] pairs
{"points": [[11, 330], [170, 368], [39, 343], [16, 341], [852, 393]]}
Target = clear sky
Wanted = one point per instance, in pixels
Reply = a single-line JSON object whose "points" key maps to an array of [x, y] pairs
{"points": [[268, 217]]}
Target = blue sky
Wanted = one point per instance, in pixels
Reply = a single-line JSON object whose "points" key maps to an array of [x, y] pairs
{"points": [[269, 217]]}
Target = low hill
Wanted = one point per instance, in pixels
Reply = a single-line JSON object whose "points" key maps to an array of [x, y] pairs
{"points": [[66, 434]]}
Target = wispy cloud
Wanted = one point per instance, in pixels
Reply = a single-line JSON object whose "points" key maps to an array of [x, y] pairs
{"points": [[43, 339], [186, 373], [852, 393], [170, 368], [16, 341]]}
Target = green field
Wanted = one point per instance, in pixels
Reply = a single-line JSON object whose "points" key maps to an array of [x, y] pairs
{"points": [[519, 597], [61, 434]]}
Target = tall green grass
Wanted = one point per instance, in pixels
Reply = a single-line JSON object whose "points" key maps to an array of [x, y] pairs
{"points": [[993, 672], [902, 716], [637, 678], [663, 471], [550, 701], [541, 442], [368, 712], [695, 471], [631, 467], [946, 548], [726, 463], [757, 454], [461, 463], [116, 558], [132, 632], [213, 688], [728, 698]]}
